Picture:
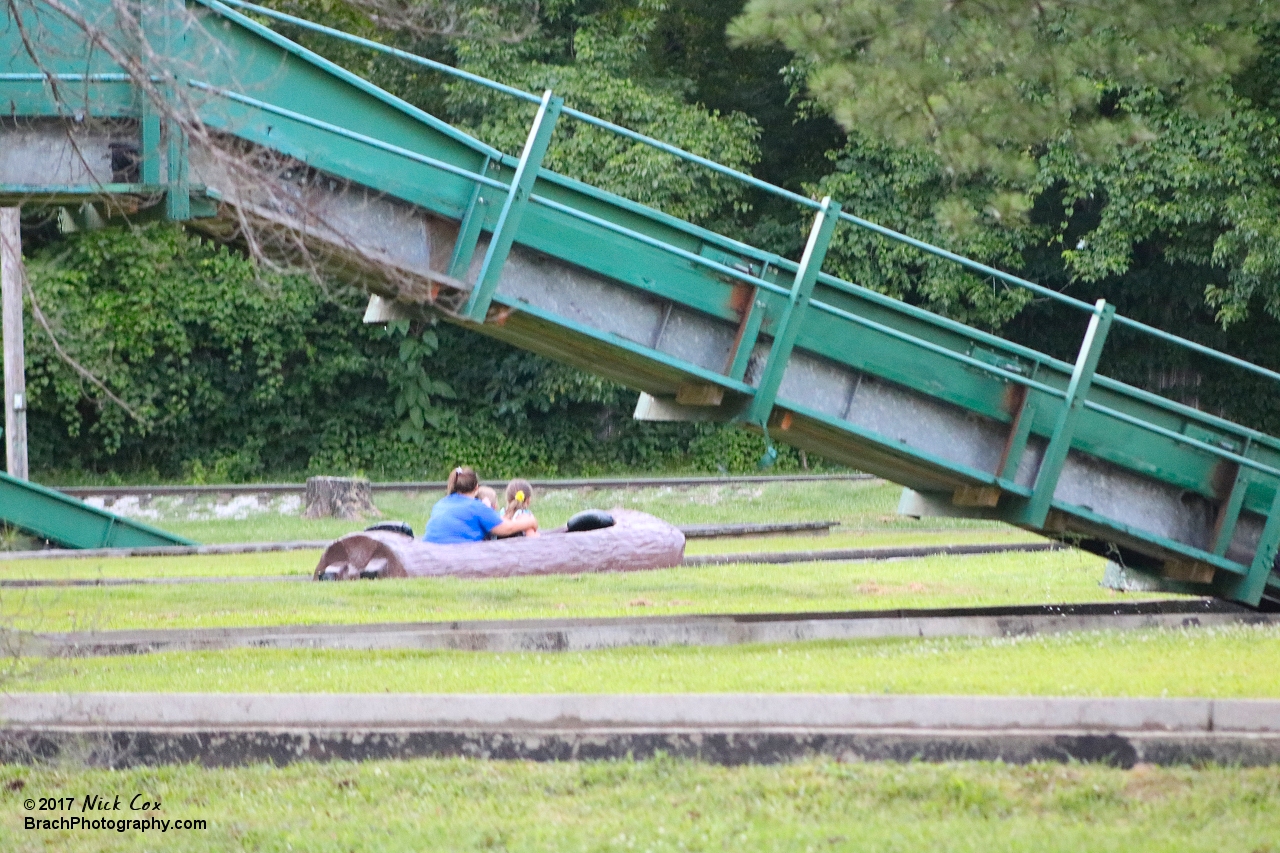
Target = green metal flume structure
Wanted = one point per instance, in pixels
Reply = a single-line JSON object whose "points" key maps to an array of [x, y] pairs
{"points": [[162, 112], [71, 523]]}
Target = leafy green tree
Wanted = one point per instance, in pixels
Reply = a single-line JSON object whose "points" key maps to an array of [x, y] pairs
{"points": [[236, 373], [1203, 190], [900, 187], [217, 360], [1081, 143], [984, 84], [598, 63]]}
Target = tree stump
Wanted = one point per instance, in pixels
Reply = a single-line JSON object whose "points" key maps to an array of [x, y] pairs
{"points": [[348, 498]]}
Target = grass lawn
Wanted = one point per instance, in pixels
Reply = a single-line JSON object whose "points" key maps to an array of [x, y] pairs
{"points": [[304, 562], [1227, 662], [861, 506], [669, 805], [1044, 577]]}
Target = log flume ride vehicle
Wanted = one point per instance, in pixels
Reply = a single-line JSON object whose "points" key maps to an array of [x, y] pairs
{"points": [[632, 541], [152, 114]]}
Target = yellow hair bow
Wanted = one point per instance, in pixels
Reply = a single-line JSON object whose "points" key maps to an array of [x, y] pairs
{"points": [[520, 495]]}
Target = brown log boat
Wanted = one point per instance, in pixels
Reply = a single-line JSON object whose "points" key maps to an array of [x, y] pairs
{"points": [[636, 541]]}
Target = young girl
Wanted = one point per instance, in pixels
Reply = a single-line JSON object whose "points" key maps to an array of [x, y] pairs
{"points": [[519, 497], [488, 497]]}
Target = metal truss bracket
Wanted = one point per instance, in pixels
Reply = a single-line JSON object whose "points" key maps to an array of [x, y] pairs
{"points": [[1036, 509], [784, 337], [504, 231]]}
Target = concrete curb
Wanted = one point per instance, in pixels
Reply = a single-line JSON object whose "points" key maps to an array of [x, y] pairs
{"points": [[122, 729], [680, 711], [553, 635]]}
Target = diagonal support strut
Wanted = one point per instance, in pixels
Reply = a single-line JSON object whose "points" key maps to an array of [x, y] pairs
{"points": [[504, 231], [788, 328]]}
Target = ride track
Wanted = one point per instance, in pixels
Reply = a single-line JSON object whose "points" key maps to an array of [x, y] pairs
{"points": [[156, 115], [699, 629]]}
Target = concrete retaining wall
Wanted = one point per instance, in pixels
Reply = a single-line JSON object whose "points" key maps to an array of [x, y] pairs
{"points": [[132, 729]]}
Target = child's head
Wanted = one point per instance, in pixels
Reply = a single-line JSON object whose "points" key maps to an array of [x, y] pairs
{"points": [[462, 480], [519, 495], [487, 496]]}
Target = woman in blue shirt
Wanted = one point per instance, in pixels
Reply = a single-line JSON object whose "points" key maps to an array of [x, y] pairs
{"points": [[459, 517]]}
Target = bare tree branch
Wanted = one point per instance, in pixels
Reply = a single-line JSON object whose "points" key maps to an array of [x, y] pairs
{"points": [[66, 357]]}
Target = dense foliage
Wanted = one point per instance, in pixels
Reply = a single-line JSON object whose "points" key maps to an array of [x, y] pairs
{"points": [[235, 373], [982, 84]]}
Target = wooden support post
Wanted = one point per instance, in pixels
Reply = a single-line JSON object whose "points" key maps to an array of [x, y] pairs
{"points": [[1055, 455], [1019, 433], [1224, 527], [788, 328], [748, 332], [15, 383], [504, 232]]}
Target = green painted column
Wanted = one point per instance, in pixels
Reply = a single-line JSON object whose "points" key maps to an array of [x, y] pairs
{"points": [[178, 196], [151, 139], [161, 24], [788, 328], [504, 232]]}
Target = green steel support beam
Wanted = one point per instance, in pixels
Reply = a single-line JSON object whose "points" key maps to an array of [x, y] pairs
{"points": [[1036, 508], [151, 139], [71, 523], [178, 189], [504, 231], [178, 197], [464, 248], [1249, 588], [788, 329]]}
